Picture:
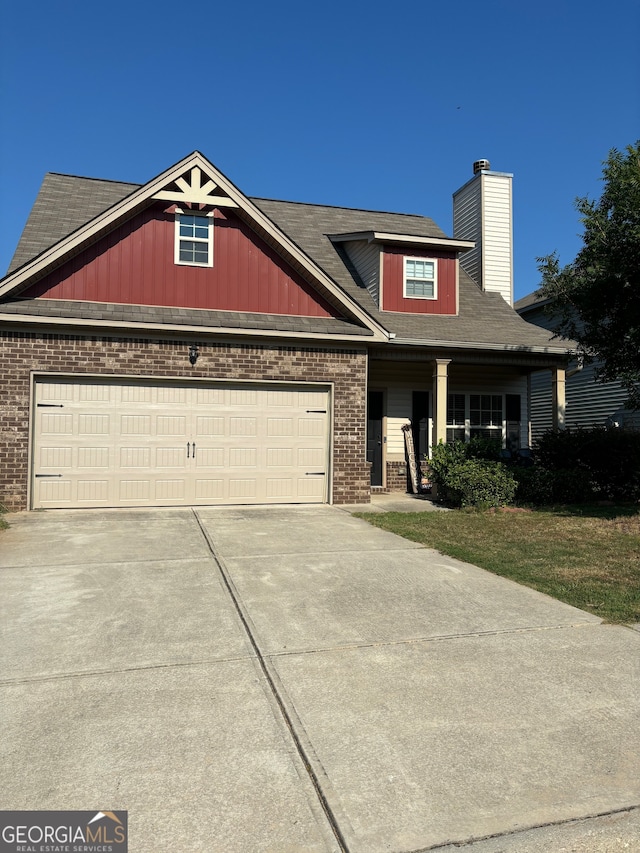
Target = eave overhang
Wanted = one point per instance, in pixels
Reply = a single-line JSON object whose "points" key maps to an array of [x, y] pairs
{"points": [[163, 329], [514, 349], [405, 239]]}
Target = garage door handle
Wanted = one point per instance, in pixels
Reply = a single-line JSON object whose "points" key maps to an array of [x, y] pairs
{"points": [[315, 474], [316, 411], [193, 453], [188, 446]]}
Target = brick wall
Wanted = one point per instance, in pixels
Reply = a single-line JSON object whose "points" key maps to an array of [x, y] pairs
{"points": [[397, 477], [22, 353]]}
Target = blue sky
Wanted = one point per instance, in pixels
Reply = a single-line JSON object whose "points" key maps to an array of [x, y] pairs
{"points": [[362, 104]]}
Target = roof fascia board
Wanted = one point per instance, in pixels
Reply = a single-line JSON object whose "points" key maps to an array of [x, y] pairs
{"points": [[412, 239], [512, 348], [111, 216], [203, 331]]}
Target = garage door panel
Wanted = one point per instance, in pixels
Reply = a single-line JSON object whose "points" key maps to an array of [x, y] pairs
{"points": [[135, 491], [143, 443], [93, 491], [135, 425], [242, 426], [134, 457], [55, 493], [311, 486], [93, 457], [171, 425], [210, 457], [209, 490], [56, 423], [210, 425], [56, 457], [280, 487], [171, 457], [50, 391]]}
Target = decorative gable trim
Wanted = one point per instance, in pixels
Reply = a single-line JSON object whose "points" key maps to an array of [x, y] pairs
{"points": [[192, 181], [189, 189]]}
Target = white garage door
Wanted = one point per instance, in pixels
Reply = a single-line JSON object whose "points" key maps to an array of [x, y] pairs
{"points": [[130, 443]]}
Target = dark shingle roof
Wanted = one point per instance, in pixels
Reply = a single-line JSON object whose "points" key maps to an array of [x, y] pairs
{"points": [[181, 316], [484, 318], [66, 203]]}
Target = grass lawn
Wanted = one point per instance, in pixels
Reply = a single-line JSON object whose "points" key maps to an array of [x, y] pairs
{"points": [[585, 556]]}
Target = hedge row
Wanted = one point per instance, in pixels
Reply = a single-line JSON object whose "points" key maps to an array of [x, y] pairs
{"points": [[570, 466]]}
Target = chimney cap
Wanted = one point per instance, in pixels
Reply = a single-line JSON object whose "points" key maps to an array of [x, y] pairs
{"points": [[481, 166]]}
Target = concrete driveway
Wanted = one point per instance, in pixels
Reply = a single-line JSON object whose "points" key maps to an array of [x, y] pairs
{"points": [[292, 679]]}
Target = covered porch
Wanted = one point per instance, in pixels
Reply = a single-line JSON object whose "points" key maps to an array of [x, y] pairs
{"points": [[446, 396]]}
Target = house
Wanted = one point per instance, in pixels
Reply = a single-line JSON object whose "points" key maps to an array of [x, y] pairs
{"points": [[179, 343], [589, 402]]}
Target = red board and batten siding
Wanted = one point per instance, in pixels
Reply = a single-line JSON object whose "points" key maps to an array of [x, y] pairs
{"points": [[393, 283], [134, 265]]}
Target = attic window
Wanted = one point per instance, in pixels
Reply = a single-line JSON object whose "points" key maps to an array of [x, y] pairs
{"points": [[420, 278], [194, 239]]}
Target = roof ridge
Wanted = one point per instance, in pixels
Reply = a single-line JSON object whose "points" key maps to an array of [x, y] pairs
{"points": [[340, 207], [259, 198]]}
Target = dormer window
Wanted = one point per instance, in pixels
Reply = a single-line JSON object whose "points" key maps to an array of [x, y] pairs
{"points": [[420, 278], [194, 239]]}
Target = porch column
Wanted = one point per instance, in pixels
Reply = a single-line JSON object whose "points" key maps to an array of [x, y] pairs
{"points": [[440, 385], [558, 397]]}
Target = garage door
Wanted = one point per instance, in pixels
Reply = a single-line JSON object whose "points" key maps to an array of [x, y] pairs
{"points": [[133, 443]]}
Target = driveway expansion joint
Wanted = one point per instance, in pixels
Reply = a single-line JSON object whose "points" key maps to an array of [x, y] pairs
{"points": [[317, 553], [516, 832], [374, 644], [88, 673], [272, 680]]}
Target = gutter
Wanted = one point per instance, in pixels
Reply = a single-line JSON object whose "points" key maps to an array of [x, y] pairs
{"points": [[413, 342], [201, 331]]}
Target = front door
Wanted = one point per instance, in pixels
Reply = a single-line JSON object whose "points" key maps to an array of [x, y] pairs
{"points": [[374, 435]]}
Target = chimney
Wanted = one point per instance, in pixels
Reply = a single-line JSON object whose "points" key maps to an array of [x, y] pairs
{"points": [[482, 213]]}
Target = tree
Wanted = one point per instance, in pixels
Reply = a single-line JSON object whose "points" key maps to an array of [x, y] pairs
{"points": [[596, 299]]}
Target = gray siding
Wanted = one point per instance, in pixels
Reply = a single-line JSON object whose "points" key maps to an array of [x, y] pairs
{"points": [[366, 259], [589, 402], [467, 225]]}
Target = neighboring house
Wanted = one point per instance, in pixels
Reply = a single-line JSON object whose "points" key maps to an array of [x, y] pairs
{"points": [[178, 343], [588, 402]]}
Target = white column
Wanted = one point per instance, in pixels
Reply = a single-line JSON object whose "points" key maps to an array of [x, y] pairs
{"points": [[440, 386], [558, 397]]}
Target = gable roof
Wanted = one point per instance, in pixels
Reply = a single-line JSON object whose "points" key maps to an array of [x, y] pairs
{"points": [[484, 320], [70, 212], [192, 180]]}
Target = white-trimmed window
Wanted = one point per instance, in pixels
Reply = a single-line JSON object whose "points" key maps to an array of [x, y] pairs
{"points": [[194, 239], [420, 278], [475, 416]]}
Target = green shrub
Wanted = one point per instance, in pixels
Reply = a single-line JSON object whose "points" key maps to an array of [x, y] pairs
{"points": [[535, 485], [602, 462], [443, 456], [477, 482], [483, 448]]}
